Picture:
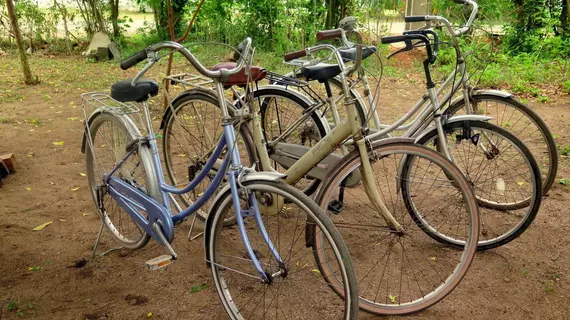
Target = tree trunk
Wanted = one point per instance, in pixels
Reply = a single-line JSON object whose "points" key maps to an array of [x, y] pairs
{"points": [[28, 78], [115, 16]]}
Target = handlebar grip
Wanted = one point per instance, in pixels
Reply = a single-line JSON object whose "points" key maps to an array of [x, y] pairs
{"points": [[134, 59], [294, 55], [393, 39], [329, 34], [415, 18]]}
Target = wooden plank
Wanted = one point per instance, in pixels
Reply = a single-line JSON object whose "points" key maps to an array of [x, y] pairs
{"points": [[9, 160]]}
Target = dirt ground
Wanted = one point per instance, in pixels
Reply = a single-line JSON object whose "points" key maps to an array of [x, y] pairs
{"points": [[50, 274]]}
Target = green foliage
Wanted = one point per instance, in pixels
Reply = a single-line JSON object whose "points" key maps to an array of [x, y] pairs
{"points": [[12, 306], [565, 182], [565, 151], [566, 86]]}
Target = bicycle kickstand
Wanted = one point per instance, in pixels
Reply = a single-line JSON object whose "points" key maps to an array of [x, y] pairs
{"points": [[99, 234]]}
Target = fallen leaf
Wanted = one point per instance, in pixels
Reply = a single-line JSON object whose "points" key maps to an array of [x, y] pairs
{"points": [[73, 118], [392, 298], [58, 143], [31, 130], [521, 183], [82, 174], [62, 220], [102, 146], [41, 226], [75, 189], [432, 258], [53, 184], [36, 268], [48, 131], [85, 214], [31, 154], [316, 271], [182, 155], [29, 189], [149, 315]]}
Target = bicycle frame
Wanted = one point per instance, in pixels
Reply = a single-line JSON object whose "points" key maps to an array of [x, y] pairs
{"points": [[159, 221]]}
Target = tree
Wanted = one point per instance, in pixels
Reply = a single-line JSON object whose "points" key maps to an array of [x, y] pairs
{"points": [[28, 78]]}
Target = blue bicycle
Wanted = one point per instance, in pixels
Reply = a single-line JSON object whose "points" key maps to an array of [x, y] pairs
{"points": [[264, 266]]}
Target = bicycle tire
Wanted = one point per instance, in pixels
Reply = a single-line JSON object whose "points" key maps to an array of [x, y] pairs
{"points": [[530, 205], [312, 298], [263, 96], [151, 186], [549, 175], [176, 174], [363, 254]]}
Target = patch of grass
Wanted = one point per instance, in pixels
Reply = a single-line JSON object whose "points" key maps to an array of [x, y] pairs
{"points": [[12, 306], [4, 120], [565, 151], [549, 287], [543, 99], [35, 121], [566, 86], [198, 288], [565, 182]]}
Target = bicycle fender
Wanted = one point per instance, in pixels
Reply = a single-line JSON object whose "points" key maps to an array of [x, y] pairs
{"points": [[224, 192], [129, 124], [490, 92], [454, 119]]}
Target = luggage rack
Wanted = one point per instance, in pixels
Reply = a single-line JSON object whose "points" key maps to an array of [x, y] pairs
{"points": [[190, 80], [95, 100]]}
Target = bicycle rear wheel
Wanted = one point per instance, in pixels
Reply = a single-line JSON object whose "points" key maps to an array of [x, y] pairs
{"points": [[280, 110], [110, 135], [402, 273], [189, 136], [303, 292]]}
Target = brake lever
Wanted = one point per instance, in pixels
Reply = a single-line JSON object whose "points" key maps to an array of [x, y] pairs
{"points": [[409, 46]]}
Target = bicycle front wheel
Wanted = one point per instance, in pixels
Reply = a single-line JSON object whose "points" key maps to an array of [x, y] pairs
{"points": [[404, 272], [520, 120], [503, 173], [301, 292]]}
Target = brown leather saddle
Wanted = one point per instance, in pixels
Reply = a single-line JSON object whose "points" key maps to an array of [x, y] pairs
{"points": [[240, 78]]}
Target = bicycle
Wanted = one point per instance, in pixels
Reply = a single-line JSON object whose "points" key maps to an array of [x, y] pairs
{"points": [[505, 110], [513, 186], [405, 234], [267, 260]]}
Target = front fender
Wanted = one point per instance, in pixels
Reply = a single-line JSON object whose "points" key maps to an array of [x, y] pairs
{"points": [[490, 92], [460, 118], [225, 192]]}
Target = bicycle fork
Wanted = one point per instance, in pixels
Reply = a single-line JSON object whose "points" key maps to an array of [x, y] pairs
{"points": [[252, 207]]}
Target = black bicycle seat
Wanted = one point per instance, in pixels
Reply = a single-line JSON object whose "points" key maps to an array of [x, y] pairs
{"points": [[123, 91], [350, 54], [320, 72]]}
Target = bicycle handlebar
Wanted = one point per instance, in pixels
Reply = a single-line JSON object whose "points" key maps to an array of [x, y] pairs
{"points": [[134, 59], [151, 54], [329, 34], [294, 55], [454, 33]]}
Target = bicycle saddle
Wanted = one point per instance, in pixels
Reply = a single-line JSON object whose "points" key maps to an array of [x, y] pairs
{"points": [[350, 54], [320, 72], [123, 91], [240, 78]]}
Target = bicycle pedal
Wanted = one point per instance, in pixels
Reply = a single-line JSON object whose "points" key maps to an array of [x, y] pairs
{"points": [[159, 262], [336, 206]]}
